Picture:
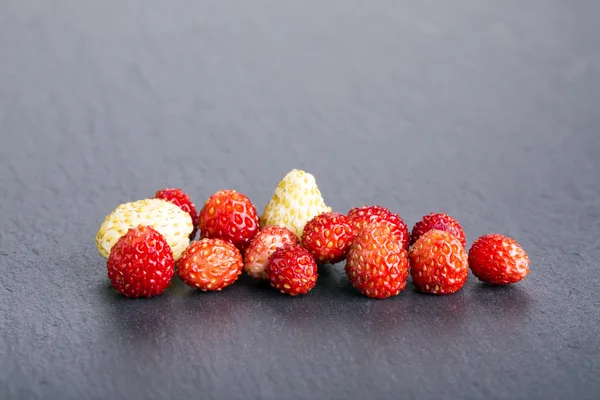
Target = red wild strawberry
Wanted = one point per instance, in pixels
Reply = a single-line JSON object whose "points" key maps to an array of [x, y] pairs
{"points": [[438, 263], [441, 222], [498, 260], [328, 237], [360, 217], [210, 264], [377, 262], [181, 200], [230, 216], [264, 244], [292, 270], [141, 263]]}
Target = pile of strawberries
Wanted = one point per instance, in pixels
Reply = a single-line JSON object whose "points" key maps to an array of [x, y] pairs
{"points": [[148, 241]]}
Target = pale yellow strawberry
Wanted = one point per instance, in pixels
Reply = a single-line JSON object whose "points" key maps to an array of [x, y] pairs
{"points": [[174, 224], [296, 201]]}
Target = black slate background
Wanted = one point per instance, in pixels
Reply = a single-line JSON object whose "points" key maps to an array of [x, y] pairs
{"points": [[486, 110]]}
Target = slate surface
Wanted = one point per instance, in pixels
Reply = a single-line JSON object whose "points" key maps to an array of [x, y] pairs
{"points": [[487, 110]]}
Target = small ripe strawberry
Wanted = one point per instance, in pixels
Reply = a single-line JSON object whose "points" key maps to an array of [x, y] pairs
{"points": [[169, 220], [263, 246], [377, 262], [181, 200], [230, 216], [292, 270], [498, 260], [296, 200], [141, 263], [441, 222], [210, 264], [438, 263], [328, 237], [363, 216]]}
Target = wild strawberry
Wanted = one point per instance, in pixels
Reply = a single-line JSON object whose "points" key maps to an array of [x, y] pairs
{"points": [[263, 246], [441, 222], [174, 224], [377, 263], [438, 263], [296, 201], [363, 216], [328, 237], [292, 270], [141, 263], [230, 216], [498, 260], [183, 201], [210, 264]]}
